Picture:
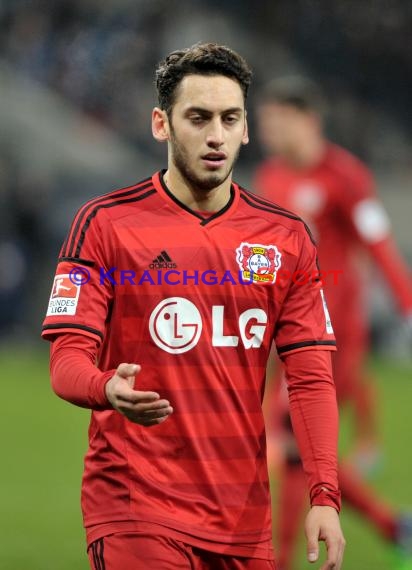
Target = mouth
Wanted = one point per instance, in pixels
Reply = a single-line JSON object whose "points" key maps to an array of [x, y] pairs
{"points": [[214, 160]]}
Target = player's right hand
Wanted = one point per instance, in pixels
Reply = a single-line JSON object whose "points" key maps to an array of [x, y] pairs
{"points": [[144, 408], [322, 524]]}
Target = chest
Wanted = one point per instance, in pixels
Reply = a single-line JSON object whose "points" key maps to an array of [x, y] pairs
{"points": [[243, 254], [186, 282]]}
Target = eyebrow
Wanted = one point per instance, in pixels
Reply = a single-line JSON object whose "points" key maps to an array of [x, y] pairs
{"points": [[203, 111]]}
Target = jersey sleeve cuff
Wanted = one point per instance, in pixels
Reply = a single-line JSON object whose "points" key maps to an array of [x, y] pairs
{"points": [[99, 391], [306, 345], [324, 497], [49, 332]]}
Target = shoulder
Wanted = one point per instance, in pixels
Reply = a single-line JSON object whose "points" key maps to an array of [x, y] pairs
{"points": [[95, 217], [261, 209], [115, 202]]}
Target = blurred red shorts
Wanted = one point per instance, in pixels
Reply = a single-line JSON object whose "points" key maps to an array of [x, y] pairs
{"points": [[140, 551]]}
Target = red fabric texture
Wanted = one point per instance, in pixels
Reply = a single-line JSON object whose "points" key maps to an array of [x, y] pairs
{"points": [[145, 551], [74, 374], [314, 416]]}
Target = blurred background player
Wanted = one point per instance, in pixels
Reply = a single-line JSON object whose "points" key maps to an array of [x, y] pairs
{"points": [[333, 192]]}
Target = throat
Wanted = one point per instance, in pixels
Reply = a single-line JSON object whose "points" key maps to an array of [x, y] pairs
{"points": [[205, 202], [214, 201]]}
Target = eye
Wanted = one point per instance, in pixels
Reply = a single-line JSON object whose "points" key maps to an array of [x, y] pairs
{"points": [[231, 119], [196, 119]]}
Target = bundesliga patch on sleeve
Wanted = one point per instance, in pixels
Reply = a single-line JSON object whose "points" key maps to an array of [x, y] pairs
{"points": [[64, 297]]}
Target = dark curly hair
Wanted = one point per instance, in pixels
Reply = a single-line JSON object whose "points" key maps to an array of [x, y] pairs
{"points": [[200, 59]]}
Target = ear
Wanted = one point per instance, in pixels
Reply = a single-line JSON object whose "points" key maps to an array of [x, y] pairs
{"points": [[160, 125], [245, 138]]}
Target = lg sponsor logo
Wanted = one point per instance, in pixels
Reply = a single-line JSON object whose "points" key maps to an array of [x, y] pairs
{"points": [[176, 326]]}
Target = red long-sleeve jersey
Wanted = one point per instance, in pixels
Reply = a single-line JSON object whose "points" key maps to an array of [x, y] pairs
{"points": [[197, 302]]}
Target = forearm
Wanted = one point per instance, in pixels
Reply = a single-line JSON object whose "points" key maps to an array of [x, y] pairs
{"points": [[74, 374], [314, 416]]}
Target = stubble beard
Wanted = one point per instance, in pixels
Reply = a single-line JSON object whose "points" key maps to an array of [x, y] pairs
{"points": [[206, 183]]}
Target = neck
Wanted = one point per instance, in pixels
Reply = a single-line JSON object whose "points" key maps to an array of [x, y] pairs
{"points": [[197, 198]]}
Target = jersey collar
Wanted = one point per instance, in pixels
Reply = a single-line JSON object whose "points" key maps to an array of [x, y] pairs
{"points": [[223, 213]]}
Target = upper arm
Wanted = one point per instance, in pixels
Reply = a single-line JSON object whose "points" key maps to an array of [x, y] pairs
{"points": [[304, 321], [80, 300]]}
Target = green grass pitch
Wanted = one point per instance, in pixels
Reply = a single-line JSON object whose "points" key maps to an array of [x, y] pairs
{"points": [[44, 440]]}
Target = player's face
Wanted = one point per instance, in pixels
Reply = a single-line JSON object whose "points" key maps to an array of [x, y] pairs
{"points": [[283, 128], [207, 127]]}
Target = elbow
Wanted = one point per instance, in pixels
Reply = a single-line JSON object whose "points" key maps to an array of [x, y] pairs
{"points": [[57, 386]]}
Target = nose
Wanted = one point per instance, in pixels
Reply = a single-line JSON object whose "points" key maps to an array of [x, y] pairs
{"points": [[215, 135]]}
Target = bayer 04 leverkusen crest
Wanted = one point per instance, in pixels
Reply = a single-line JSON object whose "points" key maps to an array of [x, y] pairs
{"points": [[258, 263]]}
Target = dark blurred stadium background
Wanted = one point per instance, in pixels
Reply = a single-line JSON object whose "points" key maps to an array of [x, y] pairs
{"points": [[76, 90], [76, 82]]}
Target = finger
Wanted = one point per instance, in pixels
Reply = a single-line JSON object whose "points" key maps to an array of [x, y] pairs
{"points": [[126, 370], [340, 555], [312, 547], [137, 397], [332, 555], [339, 561], [148, 421], [129, 410], [329, 565], [143, 407], [149, 414]]}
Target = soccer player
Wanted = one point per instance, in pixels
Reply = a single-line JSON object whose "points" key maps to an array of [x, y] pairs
{"points": [[334, 193], [165, 331]]}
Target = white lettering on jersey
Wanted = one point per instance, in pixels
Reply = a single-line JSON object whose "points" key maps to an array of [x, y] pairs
{"points": [[218, 338], [371, 220], [257, 330], [175, 326]]}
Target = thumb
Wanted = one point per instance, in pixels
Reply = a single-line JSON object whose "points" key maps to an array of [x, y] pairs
{"points": [[312, 547], [128, 372]]}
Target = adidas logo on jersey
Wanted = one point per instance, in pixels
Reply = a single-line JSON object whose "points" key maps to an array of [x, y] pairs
{"points": [[163, 261]]}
